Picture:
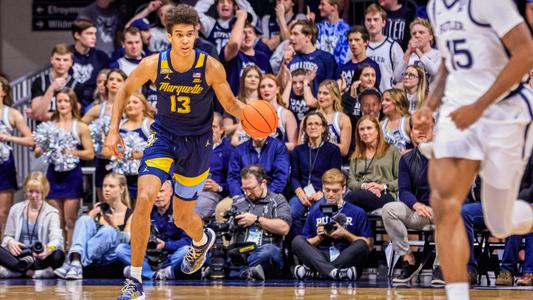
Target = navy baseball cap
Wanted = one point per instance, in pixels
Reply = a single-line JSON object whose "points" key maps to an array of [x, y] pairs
{"points": [[141, 24]]}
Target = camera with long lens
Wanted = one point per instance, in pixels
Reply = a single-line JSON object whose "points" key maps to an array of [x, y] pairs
{"points": [[152, 240], [105, 208], [329, 210], [155, 257], [36, 248], [217, 263]]}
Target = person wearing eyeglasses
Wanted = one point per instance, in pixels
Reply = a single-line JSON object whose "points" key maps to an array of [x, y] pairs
{"points": [[415, 85], [263, 219], [308, 162]]}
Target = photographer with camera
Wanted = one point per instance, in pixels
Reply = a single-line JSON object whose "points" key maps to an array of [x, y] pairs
{"points": [[336, 236], [261, 220], [97, 234], [167, 244], [33, 240]]}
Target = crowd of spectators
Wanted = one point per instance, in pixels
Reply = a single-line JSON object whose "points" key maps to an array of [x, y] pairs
{"points": [[345, 146]]}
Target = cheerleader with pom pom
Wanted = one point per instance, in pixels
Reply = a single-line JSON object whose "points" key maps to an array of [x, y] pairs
{"points": [[101, 113], [10, 119], [66, 181], [138, 120]]}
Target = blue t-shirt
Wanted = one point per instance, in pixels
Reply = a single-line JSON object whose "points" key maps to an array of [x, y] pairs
{"points": [[324, 62], [348, 70], [356, 223], [235, 66], [85, 68]]}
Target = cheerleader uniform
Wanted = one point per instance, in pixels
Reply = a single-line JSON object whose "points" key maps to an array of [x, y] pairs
{"points": [[8, 173], [99, 162], [397, 137], [69, 184], [144, 133], [280, 133]]}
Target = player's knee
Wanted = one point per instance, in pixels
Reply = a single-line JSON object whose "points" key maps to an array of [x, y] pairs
{"points": [[445, 209], [144, 202]]}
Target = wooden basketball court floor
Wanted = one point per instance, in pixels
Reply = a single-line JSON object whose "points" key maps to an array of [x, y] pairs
{"points": [[103, 289]]}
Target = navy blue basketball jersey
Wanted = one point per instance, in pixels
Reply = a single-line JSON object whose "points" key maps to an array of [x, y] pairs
{"points": [[184, 100], [219, 36]]}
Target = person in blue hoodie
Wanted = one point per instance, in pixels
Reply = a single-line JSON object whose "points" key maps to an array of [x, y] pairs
{"points": [[269, 152], [216, 186], [170, 239]]}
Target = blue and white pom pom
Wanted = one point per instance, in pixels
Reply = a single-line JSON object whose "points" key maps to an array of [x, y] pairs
{"points": [[99, 129], [55, 142], [126, 165], [5, 149]]}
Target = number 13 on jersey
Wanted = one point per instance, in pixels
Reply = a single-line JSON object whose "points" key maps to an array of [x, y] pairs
{"points": [[180, 104]]}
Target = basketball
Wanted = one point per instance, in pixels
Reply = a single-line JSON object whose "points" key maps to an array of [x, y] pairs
{"points": [[259, 119]]}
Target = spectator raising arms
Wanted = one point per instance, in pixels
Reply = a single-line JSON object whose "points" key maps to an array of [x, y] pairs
{"points": [[218, 30], [239, 51], [297, 95], [31, 221], [98, 233], [10, 119], [373, 168], [66, 187]]}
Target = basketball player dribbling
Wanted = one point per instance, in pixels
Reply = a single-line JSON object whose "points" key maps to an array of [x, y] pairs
{"points": [[483, 124], [181, 140]]}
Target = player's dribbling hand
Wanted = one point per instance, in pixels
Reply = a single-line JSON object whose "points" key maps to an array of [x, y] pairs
{"points": [[466, 115], [112, 142]]}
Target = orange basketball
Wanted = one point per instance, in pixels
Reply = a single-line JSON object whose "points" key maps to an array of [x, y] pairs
{"points": [[259, 119]]}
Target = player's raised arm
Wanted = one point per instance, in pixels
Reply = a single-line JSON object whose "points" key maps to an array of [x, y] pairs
{"points": [[144, 72], [216, 78]]}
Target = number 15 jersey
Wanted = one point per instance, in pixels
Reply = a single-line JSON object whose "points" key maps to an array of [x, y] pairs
{"points": [[184, 100], [468, 35]]}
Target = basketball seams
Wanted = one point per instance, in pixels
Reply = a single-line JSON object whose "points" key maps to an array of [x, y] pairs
{"points": [[262, 117], [251, 124]]}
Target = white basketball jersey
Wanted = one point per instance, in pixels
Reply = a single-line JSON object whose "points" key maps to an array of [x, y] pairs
{"points": [[388, 55], [468, 34]]}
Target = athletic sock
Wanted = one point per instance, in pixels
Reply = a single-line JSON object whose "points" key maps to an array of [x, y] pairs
{"points": [[135, 272], [201, 242], [457, 291]]}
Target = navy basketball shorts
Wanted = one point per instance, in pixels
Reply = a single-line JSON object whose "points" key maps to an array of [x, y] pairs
{"points": [[186, 159]]}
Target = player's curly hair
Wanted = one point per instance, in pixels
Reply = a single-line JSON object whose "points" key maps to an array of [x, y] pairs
{"points": [[181, 14]]}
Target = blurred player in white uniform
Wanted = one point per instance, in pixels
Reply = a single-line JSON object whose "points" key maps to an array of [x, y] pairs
{"points": [[483, 124]]}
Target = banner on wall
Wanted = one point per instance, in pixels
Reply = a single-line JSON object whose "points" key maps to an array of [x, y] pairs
{"points": [[56, 15]]}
